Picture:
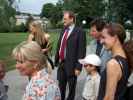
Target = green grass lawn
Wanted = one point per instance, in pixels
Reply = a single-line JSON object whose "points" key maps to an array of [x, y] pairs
{"points": [[9, 40]]}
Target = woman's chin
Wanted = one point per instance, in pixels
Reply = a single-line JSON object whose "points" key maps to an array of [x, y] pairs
{"points": [[22, 73]]}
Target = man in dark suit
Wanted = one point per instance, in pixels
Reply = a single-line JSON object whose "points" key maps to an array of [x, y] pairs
{"points": [[71, 47]]}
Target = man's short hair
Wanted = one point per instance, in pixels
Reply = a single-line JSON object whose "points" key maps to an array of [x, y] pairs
{"points": [[99, 23], [71, 15]]}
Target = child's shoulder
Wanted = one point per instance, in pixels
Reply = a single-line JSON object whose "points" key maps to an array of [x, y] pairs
{"points": [[96, 76]]}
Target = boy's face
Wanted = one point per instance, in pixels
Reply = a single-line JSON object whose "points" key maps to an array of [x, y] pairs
{"points": [[89, 68], [2, 72]]}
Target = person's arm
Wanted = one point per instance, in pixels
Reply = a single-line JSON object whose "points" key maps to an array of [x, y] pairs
{"points": [[30, 37], [81, 49], [49, 44], [56, 58], [114, 74], [96, 90]]}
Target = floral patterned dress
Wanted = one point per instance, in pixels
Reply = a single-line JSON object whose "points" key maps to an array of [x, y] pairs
{"points": [[42, 87]]}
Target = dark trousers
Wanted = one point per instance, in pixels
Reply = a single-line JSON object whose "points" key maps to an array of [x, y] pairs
{"points": [[63, 80]]}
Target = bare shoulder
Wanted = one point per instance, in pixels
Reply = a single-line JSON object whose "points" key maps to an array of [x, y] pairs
{"points": [[113, 67], [113, 64], [47, 36], [30, 37]]}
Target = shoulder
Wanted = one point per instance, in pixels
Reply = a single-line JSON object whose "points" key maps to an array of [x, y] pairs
{"points": [[51, 85], [44, 81], [47, 36], [30, 37], [96, 78], [78, 28], [113, 67], [112, 63]]}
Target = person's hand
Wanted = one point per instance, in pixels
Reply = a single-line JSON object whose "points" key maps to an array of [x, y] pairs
{"points": [[77, 72]]}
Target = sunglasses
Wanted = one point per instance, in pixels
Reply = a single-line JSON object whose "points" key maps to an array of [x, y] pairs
{"points": [[20, 61], [86, 65]]}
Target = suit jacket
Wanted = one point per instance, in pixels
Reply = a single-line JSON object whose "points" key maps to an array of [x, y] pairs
{"points": [[75, 49]]}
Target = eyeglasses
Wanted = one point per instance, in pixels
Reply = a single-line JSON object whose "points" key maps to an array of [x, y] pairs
{"points": [[86, 65], [20, 61]]}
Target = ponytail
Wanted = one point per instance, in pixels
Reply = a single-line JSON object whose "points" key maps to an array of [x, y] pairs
{"points": [[128, 47]]}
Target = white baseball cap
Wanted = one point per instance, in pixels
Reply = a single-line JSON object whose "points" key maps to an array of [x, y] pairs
{"points": [[92, 59]]}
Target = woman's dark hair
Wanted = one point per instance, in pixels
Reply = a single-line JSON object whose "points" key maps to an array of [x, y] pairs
{"points": [[128, 47], [116, 29]]}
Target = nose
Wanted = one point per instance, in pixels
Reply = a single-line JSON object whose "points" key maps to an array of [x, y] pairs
{"points": [[17, 65]]}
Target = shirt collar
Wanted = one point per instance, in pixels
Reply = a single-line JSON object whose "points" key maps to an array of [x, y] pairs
{"points": [[71, 26]]}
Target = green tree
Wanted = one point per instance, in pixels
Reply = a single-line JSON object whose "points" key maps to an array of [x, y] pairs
{"points": [[47, 10], [56, 17], [52, 12], [117, 13], [7, 16], [85, 8], [130, 10]]}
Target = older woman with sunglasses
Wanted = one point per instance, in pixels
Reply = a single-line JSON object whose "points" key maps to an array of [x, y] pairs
{"points": [[31, 62]]}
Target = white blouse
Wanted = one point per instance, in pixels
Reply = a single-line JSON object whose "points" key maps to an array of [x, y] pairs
{"points": [[91, 87]]}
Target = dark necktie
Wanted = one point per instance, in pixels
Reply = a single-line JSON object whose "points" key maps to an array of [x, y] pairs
{"points": [[99, 48], [63, 45]]}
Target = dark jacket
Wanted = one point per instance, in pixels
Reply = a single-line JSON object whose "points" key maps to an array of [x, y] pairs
{"points": [[75, 49]]}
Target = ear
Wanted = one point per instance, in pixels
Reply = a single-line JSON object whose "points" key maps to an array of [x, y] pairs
{"points": [[114, 37], [36, 65]]}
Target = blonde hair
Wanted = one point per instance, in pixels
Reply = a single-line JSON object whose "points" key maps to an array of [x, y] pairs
{"points": [[30, 51], [40, 34]]}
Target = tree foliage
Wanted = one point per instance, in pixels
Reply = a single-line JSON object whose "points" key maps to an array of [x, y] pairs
{"points": [[119, 11], [112, 10], [47, 10], [82, 8], [85, 9], [7, 16], [130, 9], [52, 12]]}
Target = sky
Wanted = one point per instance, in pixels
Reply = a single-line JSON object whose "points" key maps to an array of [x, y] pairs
{"points": [[32, 6]]}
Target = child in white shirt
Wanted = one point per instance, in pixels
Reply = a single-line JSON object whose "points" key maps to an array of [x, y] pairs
{"points": [[91, 63]]}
